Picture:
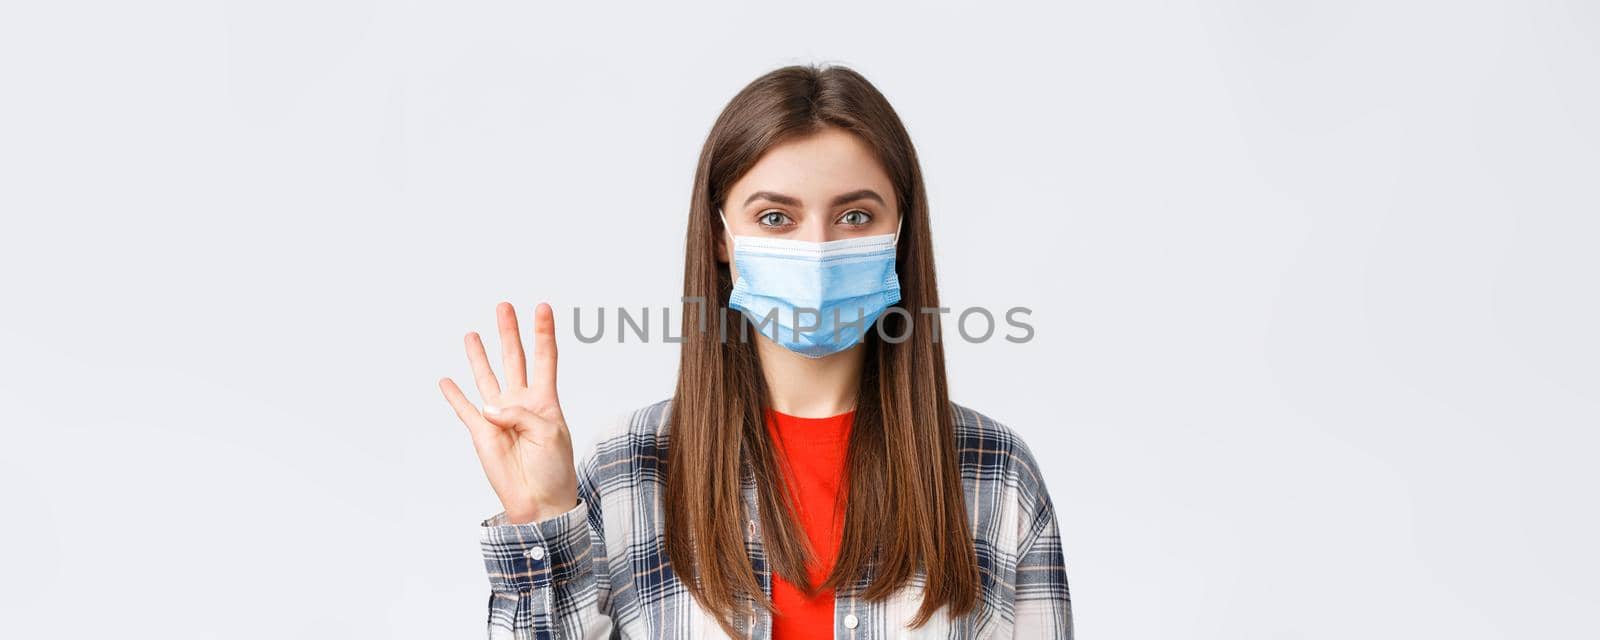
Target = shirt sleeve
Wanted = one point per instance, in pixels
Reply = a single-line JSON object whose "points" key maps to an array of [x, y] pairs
{"points": [[543, 575], [1043, 603]]}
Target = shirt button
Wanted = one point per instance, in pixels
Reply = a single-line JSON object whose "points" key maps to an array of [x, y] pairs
{"points": [[537, 553], [850, 621]]}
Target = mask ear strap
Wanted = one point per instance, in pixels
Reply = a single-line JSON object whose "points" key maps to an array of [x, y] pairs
{"points": [[898, 223], [727, 233]]}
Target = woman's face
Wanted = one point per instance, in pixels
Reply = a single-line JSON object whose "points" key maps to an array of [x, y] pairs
{"points": [[826, 186]]}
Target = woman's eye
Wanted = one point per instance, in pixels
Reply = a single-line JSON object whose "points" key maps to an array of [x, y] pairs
{"points": [[856, 218], [773, 219]]}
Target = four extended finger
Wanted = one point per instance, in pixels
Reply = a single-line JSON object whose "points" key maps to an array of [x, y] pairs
{"points": [[516, 370], [482, 374], [465, 410], [544, 351]]}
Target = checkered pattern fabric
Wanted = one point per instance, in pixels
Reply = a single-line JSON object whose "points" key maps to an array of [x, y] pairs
{"points": [[601, 569]]}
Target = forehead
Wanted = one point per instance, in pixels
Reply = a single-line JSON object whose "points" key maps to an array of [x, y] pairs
{"points": [[815, 167]]}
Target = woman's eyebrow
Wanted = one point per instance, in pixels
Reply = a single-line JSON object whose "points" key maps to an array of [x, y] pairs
{"points": [[860, 194], [775, 197]]}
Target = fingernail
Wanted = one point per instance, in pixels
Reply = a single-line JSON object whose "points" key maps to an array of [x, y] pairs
{"points": [[491, 410]]}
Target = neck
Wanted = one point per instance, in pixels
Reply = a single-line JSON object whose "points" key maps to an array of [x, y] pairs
{"points": [[810, 387]]}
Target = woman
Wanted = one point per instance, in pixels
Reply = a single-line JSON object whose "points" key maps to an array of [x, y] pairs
{"points": [[810, 477]]}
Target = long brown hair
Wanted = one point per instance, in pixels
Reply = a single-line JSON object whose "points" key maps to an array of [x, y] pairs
{"points": [[905, 510]]}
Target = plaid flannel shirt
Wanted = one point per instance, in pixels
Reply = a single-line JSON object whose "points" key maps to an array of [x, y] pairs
{"points": [[601, 570]]}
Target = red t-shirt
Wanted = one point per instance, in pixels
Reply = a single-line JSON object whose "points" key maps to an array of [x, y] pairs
{"points": [[810, 456]]}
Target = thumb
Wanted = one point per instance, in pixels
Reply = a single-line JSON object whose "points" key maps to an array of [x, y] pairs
{"points": [[507, 417]]}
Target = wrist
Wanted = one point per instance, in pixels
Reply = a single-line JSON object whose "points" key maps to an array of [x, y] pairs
{"points": [[535, 513]]}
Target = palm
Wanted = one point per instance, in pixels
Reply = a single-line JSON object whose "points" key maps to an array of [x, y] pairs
{"points": [[520, 435]]}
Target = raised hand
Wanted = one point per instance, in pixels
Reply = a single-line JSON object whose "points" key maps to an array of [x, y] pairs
{"points": [[520, 435]]}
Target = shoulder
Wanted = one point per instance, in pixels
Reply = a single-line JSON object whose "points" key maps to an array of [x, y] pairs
{"points": [[990, 451], [634, 440], [648, 422], [1011, 504]]}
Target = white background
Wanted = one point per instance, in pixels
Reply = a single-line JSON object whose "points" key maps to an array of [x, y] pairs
{"points": [[1314, 290]]}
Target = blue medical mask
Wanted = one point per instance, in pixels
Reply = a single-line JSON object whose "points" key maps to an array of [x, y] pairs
{"points": [[814, 298]]}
